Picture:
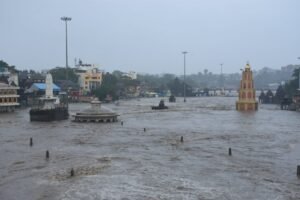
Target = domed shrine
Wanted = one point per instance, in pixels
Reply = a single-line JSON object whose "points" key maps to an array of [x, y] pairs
{"points": [[96, 114], [247, 100]]}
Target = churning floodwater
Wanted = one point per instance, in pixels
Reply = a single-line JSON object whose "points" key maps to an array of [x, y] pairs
{"points": [[112, 161]]}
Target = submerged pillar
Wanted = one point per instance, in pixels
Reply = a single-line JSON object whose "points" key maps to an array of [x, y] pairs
{"points": [[72, 172], [47, 155]]}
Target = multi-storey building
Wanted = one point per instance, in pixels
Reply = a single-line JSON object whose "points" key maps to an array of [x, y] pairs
{"points": [[247, 100], [8, 97], [131, 75], [89, 77]]}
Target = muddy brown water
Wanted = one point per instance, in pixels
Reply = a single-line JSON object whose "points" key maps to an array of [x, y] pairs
{"points": [[112, 161]]}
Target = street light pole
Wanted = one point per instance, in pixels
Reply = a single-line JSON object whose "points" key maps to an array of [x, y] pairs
{"points": [[66, 19], [221, 68], [184, 53], [299, 76]]}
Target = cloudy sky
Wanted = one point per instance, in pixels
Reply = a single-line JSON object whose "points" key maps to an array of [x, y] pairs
{"points": [[148, 36]]}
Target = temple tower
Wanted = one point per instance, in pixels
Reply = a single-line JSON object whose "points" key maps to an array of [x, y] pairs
{"points": [[247, 99]]}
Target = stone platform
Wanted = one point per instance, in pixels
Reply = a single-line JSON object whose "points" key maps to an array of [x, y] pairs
{"points": [[95, 117], [95, 114]]}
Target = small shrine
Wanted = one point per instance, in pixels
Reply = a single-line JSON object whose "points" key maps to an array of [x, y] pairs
{"points": [[96, 114], [247, 100], [160, 106], [172, 99]]}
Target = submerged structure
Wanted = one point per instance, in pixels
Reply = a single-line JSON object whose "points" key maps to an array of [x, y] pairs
{"points": [[172, 99], [247, 100], [95, 114], [160, 106], [50, 108]]}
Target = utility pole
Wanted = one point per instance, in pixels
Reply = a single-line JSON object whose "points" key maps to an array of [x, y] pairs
{"points": [[184, 53]]}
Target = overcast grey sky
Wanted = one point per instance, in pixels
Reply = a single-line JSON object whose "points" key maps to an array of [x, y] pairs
{"points": [[149, 35]]}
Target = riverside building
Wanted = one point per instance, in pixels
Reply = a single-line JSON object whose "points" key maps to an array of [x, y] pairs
{"points": [[90, 77], [8, 97]]}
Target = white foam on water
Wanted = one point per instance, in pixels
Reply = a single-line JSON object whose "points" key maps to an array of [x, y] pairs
{"points": [[131, 187]]}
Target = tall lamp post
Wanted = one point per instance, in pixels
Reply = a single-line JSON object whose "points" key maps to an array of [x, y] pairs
{"points": [[299, 76], [184, 53], [66, 19], [221, 68]]}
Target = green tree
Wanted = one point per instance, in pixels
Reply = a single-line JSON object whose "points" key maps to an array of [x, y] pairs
{"points": [[292, 86], [118, 74], [108, 87], [60, 73], [4, 65], [176, 87], [269, 97], [280, 94]]}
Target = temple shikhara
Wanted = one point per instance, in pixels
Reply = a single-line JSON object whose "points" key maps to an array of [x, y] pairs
{"points": [[247, 101]]}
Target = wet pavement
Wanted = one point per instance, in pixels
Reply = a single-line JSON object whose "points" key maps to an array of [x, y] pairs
{"points": [[112, 161]]}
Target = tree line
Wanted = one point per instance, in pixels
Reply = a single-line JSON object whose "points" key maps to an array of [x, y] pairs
{"points": [[114, 84]]}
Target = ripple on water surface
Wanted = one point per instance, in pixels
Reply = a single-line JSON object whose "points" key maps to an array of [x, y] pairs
{"points": [[114, 161]]}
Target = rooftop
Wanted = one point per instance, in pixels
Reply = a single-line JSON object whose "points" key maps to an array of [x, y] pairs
{"points": [[42, 86]]}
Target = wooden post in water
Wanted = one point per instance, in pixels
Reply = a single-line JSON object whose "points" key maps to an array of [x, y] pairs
{"points": [[181, 139], [298, 171], [229, 152], [144, 129], [122, 123], [31, 142], [72, 173], [47, 155]]}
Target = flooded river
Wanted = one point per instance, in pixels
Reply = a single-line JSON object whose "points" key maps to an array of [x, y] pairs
{"points": [[112, 161]]}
